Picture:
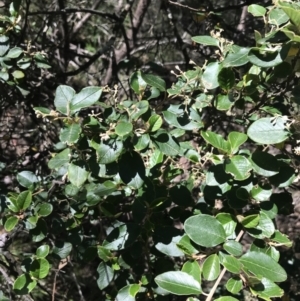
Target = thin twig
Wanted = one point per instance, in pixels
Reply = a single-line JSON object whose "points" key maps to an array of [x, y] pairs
{"points": [[77, 285], [75, 10], [54, 285], [186, 6]]}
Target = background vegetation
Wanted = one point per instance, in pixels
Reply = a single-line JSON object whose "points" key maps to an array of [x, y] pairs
{"points": [[149, 150]]}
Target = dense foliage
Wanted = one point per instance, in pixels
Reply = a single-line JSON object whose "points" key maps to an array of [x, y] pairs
{"points": [[171, 190]]}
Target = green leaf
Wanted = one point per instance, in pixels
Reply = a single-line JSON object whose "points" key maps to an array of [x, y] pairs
{"points": [[178, 283], [24, 200], [60, 159], [226, 298], [265, 227], [167, 144], [280, 238], [154, 122], [23, 285], [264, 164], [107, 151], [293, 14], [259, 245], [250, 221], [268, 131], [121, 236], [192, 268], [211, 267], [106, 275], [137, 83], [124, 128], [205, 230], [97, 191], [141, 142], [210, 76], [31, 222], [216, 141], [4, 45], [284, 178], [233, 247], [39, 232], [237, 58], [42, 251], [152, 93], [278, 17], [154, 81], [224, 102], [39, 268], [14, 8], [12, 203], [234, 285], [4, 75], [139, 109], [104, 253], [14, 53], [261, 194], [170, 248], [186, 246], [24, 62], [206, 40], [77, 175], [85, 98], [257, 10], [266, 59], [70, 134], [41, 61], [63, 97], [10, 223], [18, 74], [127, 293], [238, 166], [228, 222], [235, 140], [226, 79], [156, 158], [266, 290], [62, 249], [261, 264], [230, 263], [177, 116], [44, 209], [27, 179]]}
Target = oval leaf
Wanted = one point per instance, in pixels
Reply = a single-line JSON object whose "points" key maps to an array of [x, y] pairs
{"points": [[211, 267], [261, 264], [205, 230], [154, 81], [206, 40], [63, 97], [85, 98], [179, 283], [268, 131]]}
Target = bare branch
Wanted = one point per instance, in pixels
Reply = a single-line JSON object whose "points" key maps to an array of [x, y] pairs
{"points": [[186, 6], [85, 18], [76, 10]]}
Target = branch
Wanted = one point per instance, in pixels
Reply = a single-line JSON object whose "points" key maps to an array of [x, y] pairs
{"points": [[76, 10], [214, 10], [93, 58], [129, 36], [85, 18], [61, 4], [242, 24]]}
